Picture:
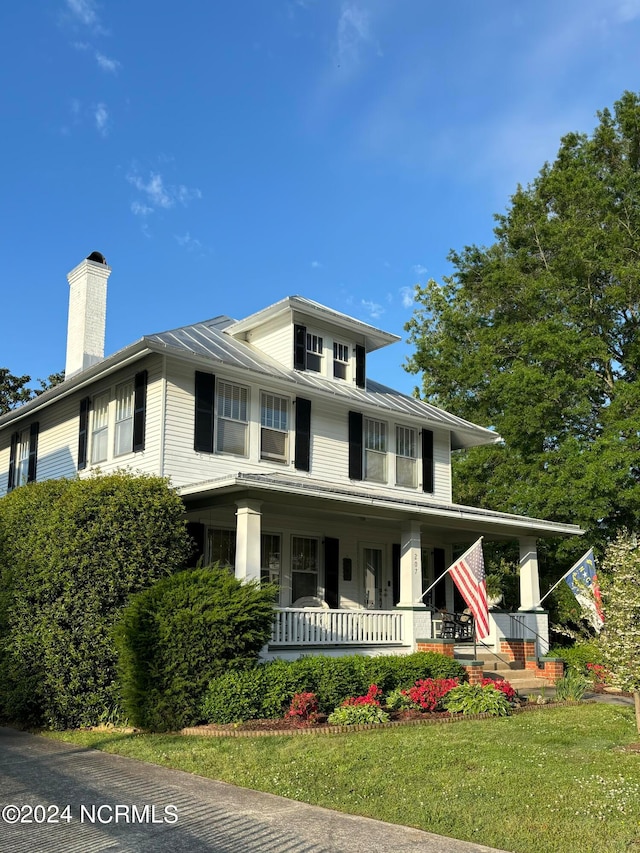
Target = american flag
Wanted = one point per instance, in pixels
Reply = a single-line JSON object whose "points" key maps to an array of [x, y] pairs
{"points": [[468, 575]]}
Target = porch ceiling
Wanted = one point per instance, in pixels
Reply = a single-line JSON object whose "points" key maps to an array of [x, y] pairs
{"points": [[304, 497]]}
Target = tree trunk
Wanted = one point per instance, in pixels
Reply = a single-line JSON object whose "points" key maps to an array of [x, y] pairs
{"points": [[636, 699]]}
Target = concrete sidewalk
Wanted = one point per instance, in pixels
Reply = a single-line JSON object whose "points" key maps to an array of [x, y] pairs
{"points": [[191, 814]]}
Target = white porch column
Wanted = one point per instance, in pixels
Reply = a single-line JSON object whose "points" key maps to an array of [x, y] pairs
{"points": [[248, 525], [529, 580], [411, 567]]}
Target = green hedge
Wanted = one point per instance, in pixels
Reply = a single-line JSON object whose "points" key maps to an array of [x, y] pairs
{"points": [[578, 656], [71, 554], [266, 690], [185, 630]]}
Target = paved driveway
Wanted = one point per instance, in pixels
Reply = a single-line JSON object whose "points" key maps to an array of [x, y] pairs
{"points": [[174, 811]]}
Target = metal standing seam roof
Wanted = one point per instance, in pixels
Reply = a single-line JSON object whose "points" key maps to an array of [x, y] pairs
{"points": [[208, 340]]}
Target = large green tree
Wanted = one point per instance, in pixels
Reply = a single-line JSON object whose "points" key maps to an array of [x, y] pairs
{"points": [[537, 337], [15, 390]]}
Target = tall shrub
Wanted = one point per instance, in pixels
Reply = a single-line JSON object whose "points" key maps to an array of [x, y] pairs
{"points": [[71, 554], [620, 638], [185, 630]]}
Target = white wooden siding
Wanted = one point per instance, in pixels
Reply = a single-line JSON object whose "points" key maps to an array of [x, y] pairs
{"points": [[275, 338], [59, 426]]}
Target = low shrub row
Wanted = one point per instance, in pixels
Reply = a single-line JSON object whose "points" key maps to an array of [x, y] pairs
{"points": [[266, 691]]}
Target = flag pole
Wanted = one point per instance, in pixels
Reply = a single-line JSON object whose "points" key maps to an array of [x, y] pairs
{"points": [[461, 557], [575, 565]]}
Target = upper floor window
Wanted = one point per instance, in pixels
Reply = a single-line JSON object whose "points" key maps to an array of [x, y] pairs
{"points": [[406, 458], [23, 457], [100, 429], [274, 427], [124, 419], [314, 353], [233, 424], [340, 360], [375, 450]]}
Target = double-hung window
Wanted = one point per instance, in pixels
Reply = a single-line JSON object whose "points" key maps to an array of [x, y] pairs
{"points": [[222, 547], [375, 451], [270, 558], [314, 353], [340, 360], [274, 427], [406, 459], [100, 429], [124, 419], [22, 459], [233, 424], [304, 567]]}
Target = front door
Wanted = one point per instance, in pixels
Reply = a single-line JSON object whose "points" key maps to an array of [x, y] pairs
{"points": [[372, 561]]}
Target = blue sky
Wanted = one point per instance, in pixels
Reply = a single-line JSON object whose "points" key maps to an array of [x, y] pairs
{"points": [[223, 155]]}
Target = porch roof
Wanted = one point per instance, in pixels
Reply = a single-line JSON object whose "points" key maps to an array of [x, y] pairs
{"points": [[455, 518]]}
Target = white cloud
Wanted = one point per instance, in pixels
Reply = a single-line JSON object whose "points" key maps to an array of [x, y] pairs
{"points": [[154, 189], [101, 117], [419, 270], [353, 33], [188, 242], [158, 195], [628, 10], [84, 11], [110, 65], [184, 194], [406, 294], [140, 209], [373, 309], [316, 265]]}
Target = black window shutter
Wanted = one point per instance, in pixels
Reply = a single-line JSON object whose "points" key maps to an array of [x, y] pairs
{"points": [[360, 366], [331, 572], [83, 432], [33, 451], [11, 480], [299, 347], [355, 445], [303, 434], [205, 389], [395, 563], [427, 460], [139, 410]]}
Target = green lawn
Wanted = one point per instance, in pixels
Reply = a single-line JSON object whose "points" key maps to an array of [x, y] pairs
{"points": [[550, 780]]}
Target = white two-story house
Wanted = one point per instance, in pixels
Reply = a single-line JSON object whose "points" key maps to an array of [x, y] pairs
{"points": [[293, 464]]}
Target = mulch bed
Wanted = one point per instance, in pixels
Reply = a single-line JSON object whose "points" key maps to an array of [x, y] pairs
{"points": [[285, 726]]}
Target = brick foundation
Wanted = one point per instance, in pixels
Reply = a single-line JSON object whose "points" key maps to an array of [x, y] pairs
{"points": [[513, 649], [444, 647], [474, 671], [551, 669]]}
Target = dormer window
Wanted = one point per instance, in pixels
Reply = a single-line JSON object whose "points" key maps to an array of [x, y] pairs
{"points": [[314, 353], [340, 360]]}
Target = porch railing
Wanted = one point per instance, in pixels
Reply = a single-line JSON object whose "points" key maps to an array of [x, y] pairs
{"points": [[319, 627]]}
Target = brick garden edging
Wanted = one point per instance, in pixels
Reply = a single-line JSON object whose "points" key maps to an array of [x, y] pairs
{"points": [[363, 727]]}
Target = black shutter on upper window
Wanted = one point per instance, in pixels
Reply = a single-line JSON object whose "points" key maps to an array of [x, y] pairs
{"points": [[303, 434], [205, 389], [299, 347], [427, 460], [11, 480], [361, 379], [139, 410], [83, 432], [355, 445], [33, 451]]}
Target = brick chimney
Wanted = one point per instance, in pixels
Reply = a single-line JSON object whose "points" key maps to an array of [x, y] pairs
{"points": [[87, 313]]}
